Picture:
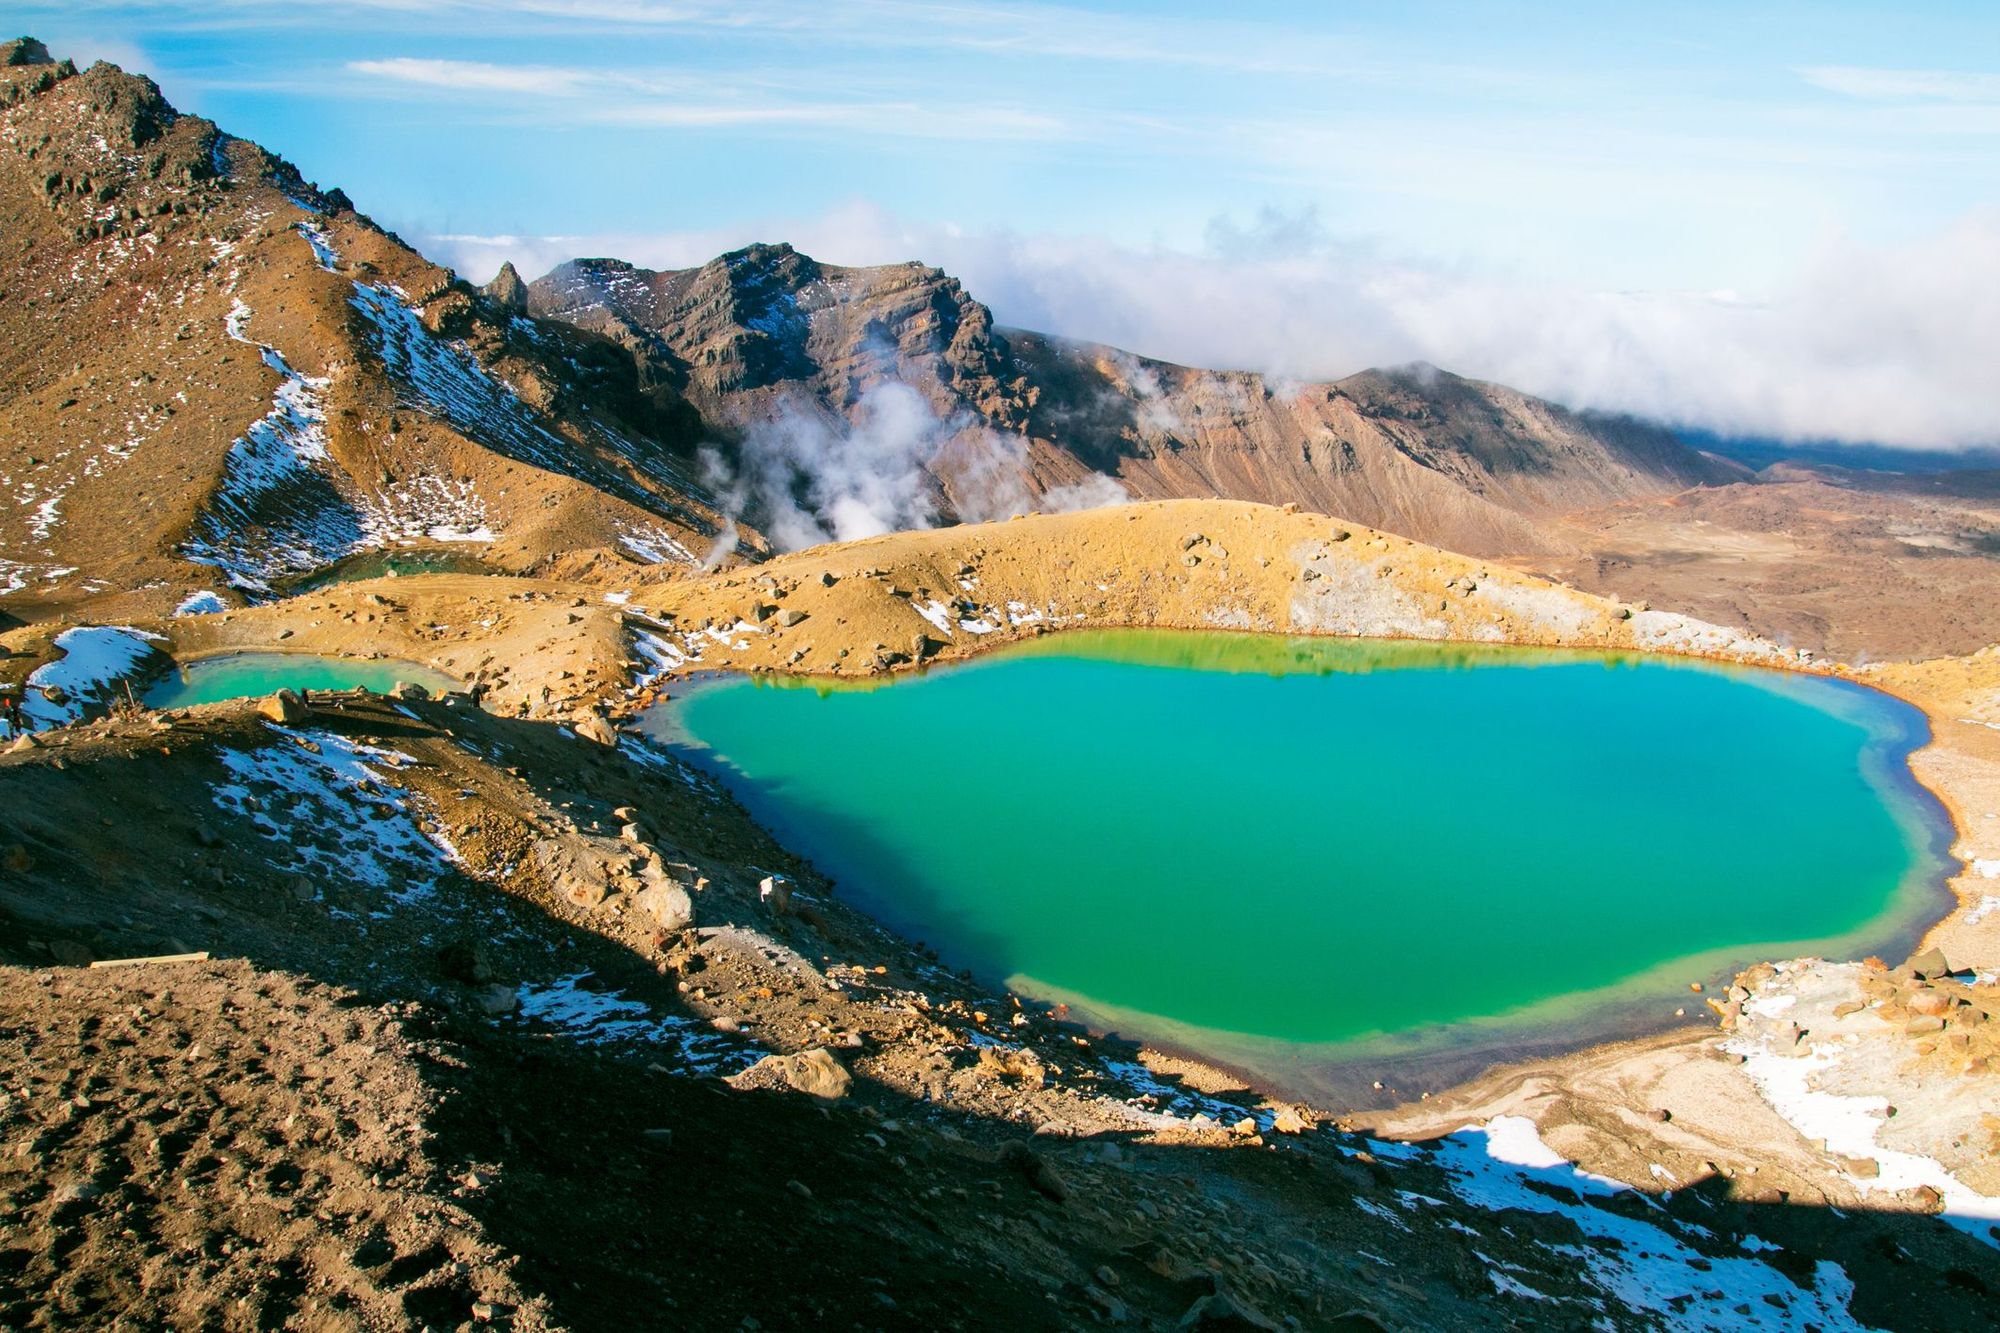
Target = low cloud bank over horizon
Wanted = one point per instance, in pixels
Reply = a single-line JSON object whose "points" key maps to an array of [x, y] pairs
{"points": [[1861, 344]]}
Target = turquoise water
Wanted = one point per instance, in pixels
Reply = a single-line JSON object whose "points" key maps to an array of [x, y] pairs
{"points": [[246, 675], [1256, 847]]}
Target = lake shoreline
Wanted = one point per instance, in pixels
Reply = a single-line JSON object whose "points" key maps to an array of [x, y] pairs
{"points": [[1343, 1075]]}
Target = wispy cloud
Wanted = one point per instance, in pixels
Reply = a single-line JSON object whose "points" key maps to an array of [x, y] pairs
{"points": [[1904, 85], [604, 97], [478, 76], [1026, 30]]}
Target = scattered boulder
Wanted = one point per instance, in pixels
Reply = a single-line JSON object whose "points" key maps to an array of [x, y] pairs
{"points": [[1024, 1065], [1930, 965], [1289, 1120], [816, 1073], [574, 872], [790, 616], [408, 689], [594, 728], [285, 708], [1035, 1169], [496, 1000], [1929, 1003], [775, 892], [667, 903]]}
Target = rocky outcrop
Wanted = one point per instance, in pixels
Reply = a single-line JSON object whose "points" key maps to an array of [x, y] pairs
{"points": [[507, 290]]}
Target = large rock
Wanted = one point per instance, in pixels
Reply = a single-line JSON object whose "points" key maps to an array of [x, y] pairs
{"points": [[1929, 964], [284, 707], [594, 728], [669, 904], [1036, 1170], [575, 871], [815, 1073]]}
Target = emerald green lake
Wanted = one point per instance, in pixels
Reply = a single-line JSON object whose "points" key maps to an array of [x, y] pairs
{"points": [[1290, 855], [246, 675]]}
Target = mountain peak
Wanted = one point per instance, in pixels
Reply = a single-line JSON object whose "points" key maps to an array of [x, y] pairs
{"points": [[507, 290]]}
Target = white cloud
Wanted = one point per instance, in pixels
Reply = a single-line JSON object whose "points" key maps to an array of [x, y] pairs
{"points": [[1891, 345]]}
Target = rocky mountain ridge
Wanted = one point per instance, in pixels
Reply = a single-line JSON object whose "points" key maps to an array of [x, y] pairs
{"points": [[215, 375], [764, 330]]}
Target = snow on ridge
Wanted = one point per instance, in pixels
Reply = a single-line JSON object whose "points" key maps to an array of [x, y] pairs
{"points": [[655, 545], [322, 245], [277, 509], [424, 506], [443, 380], [935, 612], [95, 658]]}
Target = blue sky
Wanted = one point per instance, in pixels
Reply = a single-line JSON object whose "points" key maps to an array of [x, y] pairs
{"points": [[1589, 148]]}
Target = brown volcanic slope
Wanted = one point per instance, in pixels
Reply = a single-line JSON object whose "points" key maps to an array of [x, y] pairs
{"points": [[211, 371], [1466, 465]]}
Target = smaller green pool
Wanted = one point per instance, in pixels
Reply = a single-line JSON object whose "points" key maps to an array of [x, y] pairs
{"points": [[247, 675], [391, 564]]}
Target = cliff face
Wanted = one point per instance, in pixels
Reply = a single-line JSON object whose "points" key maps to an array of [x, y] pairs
{"points": [[214, 374], [767, 330]]}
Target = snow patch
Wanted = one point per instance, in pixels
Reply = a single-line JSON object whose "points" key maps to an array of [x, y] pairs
{"points": [[1848, 1125], [1639, 1263], [335, 812], [604, 1017], [203, 603], [95, 658]]}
